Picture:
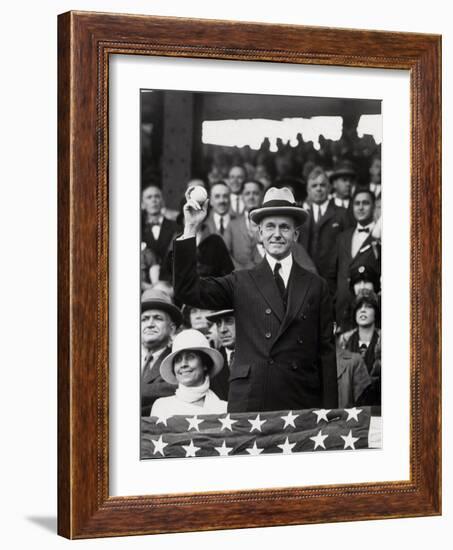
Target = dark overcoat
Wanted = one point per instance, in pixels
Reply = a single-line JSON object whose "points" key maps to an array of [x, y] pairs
{"points": [[284, 360]]}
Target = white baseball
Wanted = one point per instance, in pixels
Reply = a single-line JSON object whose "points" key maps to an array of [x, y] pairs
{"points": [[199, 194]]}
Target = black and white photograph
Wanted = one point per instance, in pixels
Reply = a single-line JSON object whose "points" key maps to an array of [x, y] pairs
{"points": [[260, 274]]}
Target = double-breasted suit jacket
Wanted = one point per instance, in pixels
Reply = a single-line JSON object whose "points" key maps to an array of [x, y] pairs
{"points": [[284, 359], [319, 239], [369, 255], [152, 385]]}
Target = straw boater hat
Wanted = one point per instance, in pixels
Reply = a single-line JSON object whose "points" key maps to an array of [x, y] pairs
{"points": [[190, 340], [279, 202], [157, 299], [213, 317]]}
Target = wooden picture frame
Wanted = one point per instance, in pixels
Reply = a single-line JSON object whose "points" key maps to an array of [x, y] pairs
{"points": [[86, 40]]}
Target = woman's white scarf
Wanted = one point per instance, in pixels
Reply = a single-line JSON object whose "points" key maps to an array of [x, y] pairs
{"points": [[193, 393]]}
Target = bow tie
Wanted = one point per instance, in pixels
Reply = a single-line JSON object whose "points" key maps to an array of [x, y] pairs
{"points": [[363, 229], [154, 223]]}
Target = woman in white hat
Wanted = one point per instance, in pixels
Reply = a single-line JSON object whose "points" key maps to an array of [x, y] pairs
{"points": [[190, 366]]}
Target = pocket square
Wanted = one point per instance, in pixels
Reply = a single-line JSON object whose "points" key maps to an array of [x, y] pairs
{"points": [[335, 224]]}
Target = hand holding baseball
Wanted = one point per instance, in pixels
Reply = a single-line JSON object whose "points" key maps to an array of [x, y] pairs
{"points": [[195, 209]]}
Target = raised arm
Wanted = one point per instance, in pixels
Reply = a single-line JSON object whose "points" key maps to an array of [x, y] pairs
{"points": [[207, 293]]}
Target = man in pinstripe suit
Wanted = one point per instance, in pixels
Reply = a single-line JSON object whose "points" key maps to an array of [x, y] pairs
{"points": [[285, 351]]}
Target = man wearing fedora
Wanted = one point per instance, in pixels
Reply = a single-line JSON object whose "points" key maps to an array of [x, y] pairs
{"points": [[343, 180], [285, 352], [159, 321], [226, 330]]}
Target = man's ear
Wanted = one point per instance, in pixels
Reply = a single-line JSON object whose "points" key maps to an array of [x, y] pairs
{"points": [[296, 235]]}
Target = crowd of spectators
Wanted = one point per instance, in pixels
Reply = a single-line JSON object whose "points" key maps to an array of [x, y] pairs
{"points": [[339, 185]]}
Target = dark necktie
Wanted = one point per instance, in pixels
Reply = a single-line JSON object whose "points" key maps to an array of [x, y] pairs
{"points": [[363, 229], [221, 226], [148, 361], [279, 280]]}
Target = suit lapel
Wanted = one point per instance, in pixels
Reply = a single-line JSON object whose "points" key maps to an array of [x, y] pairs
{"points": [[346, 242], [297, 292], [264, 280], [152, 373], [210, 223], [163, 234], [329, 213], [365, 243]]}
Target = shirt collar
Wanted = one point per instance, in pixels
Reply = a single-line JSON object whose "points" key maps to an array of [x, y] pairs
{"points": [[323, 204], [158, 219], [287, 263], [322, 207], [370, 226], [156, 354], [217, 217]]}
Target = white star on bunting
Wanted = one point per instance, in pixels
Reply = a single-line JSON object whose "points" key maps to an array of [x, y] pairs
{"points": [[322, 414], [162, 419], [256, 423], [349, 440], [191, 450], [287, 447], [223, 450], [159, 446], [227, 423], [255, 451], [353, 414], [289, 419], [319, 440], [193, 423]]}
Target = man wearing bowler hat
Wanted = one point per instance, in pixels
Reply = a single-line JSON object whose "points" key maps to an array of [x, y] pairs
{"points": [[343, 180], [159, 321], [226, 330], [285, 353]]}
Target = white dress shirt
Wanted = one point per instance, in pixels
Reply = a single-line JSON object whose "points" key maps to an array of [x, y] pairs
{"points": [[319, 210], [226, 220], [341, 202], [237, 204], [376, 189], [228, 352], [156, 227], [285, 270], [359, 237]]}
